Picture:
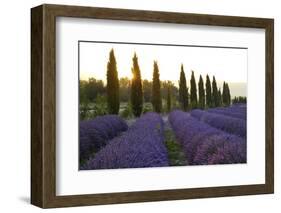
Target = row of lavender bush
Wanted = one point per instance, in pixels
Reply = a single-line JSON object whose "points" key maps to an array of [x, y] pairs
{"points": [[95, 134], [141, 146], [228, 124], [235, 111], [204, 144]]}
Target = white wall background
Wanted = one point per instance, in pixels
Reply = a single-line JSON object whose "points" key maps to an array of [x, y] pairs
{"points": [[15, 105]]}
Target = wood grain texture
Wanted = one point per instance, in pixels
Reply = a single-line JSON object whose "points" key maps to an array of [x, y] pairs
{"points": [[269, 106], [36, 106], [43, 105]]}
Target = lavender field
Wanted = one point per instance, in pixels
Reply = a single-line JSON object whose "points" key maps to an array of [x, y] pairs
{"points": [[197, 137], [155, 105]]}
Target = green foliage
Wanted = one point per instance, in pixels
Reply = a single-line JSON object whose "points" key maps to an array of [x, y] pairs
{"points": [[89, 89], [201, 103], [113, 102], [226, 97], [183, 91], [156, 92], [220, 97], [208, 92], [174, 95], [215, 96], [174, 91], [89, 111], [136, 88], [83, 96], [97, 99], [83, 110], [100, 106], [147, 107], [193, 92], [124, 89], [239, 100], [127, 111], [147, 88], [175, 154], [169, 99]]}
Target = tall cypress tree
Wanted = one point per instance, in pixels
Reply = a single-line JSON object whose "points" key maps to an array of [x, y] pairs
{"points": [[201, 93], [112, 85], [193, 91], [208, 92], [136, 88], [183, 91], [168, 99], [215, 98], [224, 95], [228, 96], [156, 89], [220, 97]]}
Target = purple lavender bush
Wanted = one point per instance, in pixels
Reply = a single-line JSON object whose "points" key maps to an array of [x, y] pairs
{"points": [[141, 146], [233, 111], [203, 144], [228, 124], [94, 134], [221, 149]]}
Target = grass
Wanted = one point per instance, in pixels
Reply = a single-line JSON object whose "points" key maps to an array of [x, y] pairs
{"points": [[175, 154]]}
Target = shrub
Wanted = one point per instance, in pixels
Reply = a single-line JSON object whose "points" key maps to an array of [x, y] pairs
{"points": [[204, 144], [228, 124], [94, 134], [141, 146]]}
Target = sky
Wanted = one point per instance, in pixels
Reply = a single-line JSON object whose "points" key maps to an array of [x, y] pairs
{"points": [[226, 64]]}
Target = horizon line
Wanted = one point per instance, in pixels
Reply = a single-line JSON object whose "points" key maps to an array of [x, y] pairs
{"points": [[104, 80]]}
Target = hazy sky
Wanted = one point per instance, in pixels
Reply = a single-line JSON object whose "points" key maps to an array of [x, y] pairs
{"points": [[225, 64]]}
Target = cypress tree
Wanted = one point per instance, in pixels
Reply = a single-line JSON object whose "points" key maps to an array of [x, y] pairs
{"points": [[220, 97], [201, 93], [193, 91], [156, 89], [183, 91], [228, 96], [215, 99], [136, 88], [112, 85], [224, 95], [168, 99], [208, 92]]}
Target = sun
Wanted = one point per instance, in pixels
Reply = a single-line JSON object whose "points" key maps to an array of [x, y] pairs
{"points": [[131, 76]]}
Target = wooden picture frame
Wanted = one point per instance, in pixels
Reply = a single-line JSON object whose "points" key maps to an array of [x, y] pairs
{"points": [[43, 105]]}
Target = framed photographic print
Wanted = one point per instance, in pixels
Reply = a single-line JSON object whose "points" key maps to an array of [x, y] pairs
{"points": [[136, 106]]}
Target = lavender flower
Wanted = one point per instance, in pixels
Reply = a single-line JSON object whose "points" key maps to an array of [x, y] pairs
{"points": [[141, 146], [228, 124], [94, 134], [234, 111], [204, 144]]}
